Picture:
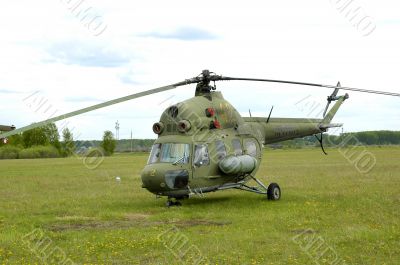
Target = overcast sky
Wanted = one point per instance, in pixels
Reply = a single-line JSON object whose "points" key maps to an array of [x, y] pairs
{"points": [[59, 56]]}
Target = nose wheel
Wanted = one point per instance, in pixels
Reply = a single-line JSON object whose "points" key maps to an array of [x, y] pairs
{"points": [[172, 202]]}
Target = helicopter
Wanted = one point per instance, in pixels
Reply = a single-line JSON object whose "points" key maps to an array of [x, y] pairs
{"points": [[204, 145]]}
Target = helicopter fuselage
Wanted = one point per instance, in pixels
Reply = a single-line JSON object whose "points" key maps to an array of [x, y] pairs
{"points": [[194, 137], [204, 144]]}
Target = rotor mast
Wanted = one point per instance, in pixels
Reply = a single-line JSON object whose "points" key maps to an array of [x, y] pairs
{"points": [[203, 87]]}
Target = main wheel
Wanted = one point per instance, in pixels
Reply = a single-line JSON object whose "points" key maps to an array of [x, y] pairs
{"points": [[273, 192], [170, 203]]}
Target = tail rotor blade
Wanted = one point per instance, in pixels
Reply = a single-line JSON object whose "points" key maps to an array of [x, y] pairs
{"points": [[332, 97], [335, 92]]}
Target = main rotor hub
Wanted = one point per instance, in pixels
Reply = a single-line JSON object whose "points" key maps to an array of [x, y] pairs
{"points": [[203, 87]]}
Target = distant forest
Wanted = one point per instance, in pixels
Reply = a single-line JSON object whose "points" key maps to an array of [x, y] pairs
{"points": [[345, 139], [358, 138], [45, 142], [123, 145]]}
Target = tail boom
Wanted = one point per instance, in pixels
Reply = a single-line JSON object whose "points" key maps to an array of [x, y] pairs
{"points": [[275, 130]]}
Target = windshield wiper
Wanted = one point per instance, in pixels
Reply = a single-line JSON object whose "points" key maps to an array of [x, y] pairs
{"points": [[180, 159]]}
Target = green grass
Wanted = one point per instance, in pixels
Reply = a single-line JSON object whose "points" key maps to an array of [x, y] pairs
{"points": [[95, 220]]}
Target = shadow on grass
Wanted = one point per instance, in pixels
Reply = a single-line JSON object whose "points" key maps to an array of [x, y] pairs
{"points": [[207, 200]]}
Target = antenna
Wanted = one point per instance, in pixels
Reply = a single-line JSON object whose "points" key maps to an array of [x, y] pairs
{"points": [[269, 116], [117, 130]]}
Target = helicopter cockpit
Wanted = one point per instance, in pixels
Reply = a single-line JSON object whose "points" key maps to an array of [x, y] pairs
{"points": [[175, 153], [168, 167]]}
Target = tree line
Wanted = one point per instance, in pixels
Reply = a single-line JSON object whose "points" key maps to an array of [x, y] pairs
{"points": [[122, 145], [45, 142], [347, 139]]}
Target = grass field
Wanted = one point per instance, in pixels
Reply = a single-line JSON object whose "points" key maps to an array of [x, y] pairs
{"points": [[58, 211]]}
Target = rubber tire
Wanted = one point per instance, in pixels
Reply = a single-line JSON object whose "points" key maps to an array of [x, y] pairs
{"points": [[173, 203], [273, 192]]}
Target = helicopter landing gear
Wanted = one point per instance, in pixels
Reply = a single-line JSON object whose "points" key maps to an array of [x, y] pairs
{"points": [[273, 192], [171, 202]]}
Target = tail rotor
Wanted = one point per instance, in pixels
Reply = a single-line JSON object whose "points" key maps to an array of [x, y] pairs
{"points": [[332, 97]]}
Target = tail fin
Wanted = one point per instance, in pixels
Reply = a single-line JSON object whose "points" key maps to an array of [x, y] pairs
{"points": [[329, 116]]}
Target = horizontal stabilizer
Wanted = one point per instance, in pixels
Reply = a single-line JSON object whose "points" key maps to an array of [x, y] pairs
{"points": [[331, 125]]}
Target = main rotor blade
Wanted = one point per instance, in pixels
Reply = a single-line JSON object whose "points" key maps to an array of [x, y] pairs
{"points": [[97, 106], [311, 84]]}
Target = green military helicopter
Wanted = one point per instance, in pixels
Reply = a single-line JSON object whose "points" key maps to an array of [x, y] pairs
{"points": [[205, 145]]}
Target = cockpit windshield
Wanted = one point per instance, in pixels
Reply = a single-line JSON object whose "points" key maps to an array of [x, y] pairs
{"points": [[175, 153]]}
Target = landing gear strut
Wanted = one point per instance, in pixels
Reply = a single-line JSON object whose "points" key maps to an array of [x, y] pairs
{"points": [[273, 191]]}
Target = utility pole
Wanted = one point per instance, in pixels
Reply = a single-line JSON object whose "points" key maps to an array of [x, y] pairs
{"points": [[131, 142], [117, 130]]}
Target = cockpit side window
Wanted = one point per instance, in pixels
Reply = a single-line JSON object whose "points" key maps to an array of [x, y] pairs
{"points": [[251, 147], [237, 147], [220, 148], [154, 154], [201, 157]]}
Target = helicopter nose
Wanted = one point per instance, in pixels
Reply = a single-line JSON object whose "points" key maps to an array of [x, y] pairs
{"points": [[160, 178], [153, 179]]}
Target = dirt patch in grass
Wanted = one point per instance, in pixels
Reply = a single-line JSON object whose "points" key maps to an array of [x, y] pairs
{"points": [[130, 220], [137, 216], [74, 218], [90, 225]]}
